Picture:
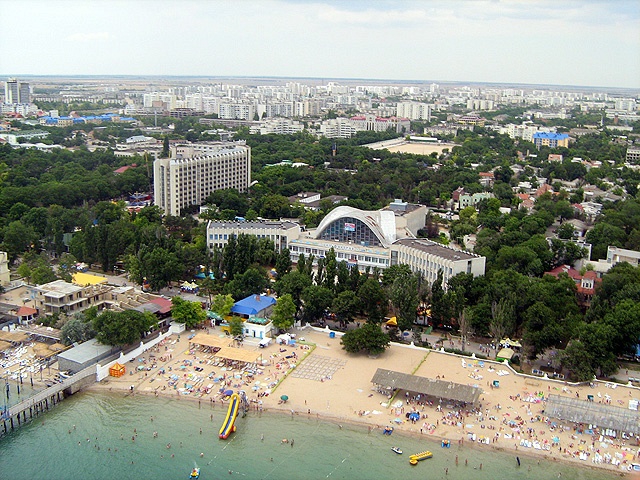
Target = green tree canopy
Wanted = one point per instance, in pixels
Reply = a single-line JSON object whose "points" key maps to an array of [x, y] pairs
{"points": [[189, 313], [122, 328], [369, 338]]}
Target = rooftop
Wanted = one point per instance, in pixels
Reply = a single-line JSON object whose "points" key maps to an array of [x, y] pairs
{"points": [[436, 249]]}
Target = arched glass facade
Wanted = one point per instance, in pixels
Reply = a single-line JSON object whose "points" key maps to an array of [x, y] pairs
{"points": [[347, 229]]}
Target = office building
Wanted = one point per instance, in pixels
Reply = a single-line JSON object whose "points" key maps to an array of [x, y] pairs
{"points": [[194, 171]]}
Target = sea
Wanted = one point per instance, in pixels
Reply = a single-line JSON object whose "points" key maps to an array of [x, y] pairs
{"points": [[104, 435]]}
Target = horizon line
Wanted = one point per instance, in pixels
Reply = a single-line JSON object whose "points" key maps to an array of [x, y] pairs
{"points": [[322, 78]]}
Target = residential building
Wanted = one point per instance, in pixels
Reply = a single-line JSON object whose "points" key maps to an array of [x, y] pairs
{"points": [[194, 171], [466, 200], [305, 197], [552, 140], [369, 122], [585, 284], [633, 155], [337, 128], [617, 255], [281, 126], [413, 111]]}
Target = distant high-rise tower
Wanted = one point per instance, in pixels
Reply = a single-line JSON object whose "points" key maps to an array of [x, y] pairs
{"points": [[16, 92]]}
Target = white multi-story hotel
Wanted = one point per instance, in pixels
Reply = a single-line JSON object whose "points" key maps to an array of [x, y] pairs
{"points": [[194, 171], [413, 111]]}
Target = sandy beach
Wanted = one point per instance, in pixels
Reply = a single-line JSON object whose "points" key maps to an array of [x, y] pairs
{"points": [[323, 380]]}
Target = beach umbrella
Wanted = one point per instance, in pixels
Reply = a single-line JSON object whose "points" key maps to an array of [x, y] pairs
{"points": [[414, 416], [228, 392], [284, 398]]}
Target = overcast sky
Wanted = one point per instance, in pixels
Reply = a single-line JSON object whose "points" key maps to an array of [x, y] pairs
{"points": [[581, 42]]}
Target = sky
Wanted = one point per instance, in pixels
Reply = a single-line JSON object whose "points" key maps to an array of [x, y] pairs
{"points": [[560, 42]]}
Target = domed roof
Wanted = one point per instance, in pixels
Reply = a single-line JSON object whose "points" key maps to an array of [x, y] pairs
{"points": [[381, 222]]}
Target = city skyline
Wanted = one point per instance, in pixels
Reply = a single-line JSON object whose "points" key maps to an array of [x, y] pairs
{"points": [[582, 43]]}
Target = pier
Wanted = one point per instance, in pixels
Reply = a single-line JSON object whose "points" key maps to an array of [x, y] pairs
{"points": [[42, 401]]}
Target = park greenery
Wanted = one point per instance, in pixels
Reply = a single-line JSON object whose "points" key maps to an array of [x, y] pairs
{"points": [[62, 207]]}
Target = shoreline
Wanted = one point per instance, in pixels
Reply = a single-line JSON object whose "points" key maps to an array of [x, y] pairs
{"points": [[374, 428], [415, 360]]}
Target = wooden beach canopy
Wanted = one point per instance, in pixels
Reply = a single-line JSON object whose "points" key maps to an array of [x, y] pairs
{"points": [[117, 370], [239, 354], [578, 410], [427, 386], [13, 337]]}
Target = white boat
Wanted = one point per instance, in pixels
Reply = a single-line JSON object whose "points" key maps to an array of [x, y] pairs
{"points": [[396, 450]]}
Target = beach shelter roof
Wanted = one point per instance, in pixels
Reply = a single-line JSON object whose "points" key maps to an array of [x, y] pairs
{"points": [[427, 386], [505, 354], [393, 321], [252, 305], [578, 410], [13, 336], [225, 351]]}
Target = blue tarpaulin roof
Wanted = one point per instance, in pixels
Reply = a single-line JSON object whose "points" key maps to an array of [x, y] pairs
{"points": [[252, 305]]}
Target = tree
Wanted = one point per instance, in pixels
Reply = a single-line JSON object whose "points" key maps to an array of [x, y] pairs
{"points": [[316, 300], [283, 262], [284, 311], [369, 339], [160, 266], [122, 328], [165, 147], [464, 323], [236, 326], [251, 282], [293, 283], [189, 313], [502, 321], [345, 306], [222, 304], [373, 300], [77, 329], [404, 299]]}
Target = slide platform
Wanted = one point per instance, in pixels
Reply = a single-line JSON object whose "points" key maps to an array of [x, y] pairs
{"points": [[229, 422]]}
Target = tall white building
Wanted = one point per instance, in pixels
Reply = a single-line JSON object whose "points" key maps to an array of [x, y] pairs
{"points": [[195, 171], [413, 111], [16, 91], [237, 111]]}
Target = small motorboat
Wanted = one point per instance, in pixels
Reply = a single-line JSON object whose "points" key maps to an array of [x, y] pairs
{"points": [[396, 450], [195, 473]]}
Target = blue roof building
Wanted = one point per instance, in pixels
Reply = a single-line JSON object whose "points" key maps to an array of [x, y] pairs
{"points": [[550, 139], [254, 306]]}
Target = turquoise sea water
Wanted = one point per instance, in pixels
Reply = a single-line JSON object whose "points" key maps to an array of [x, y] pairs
{"points": [[101, 447]]}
